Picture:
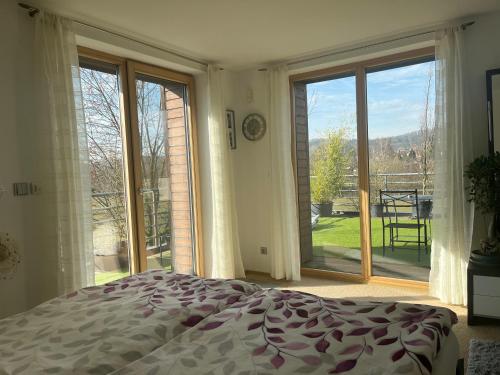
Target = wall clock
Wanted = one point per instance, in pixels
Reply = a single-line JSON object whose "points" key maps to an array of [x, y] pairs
{"points": [[254, 127]]}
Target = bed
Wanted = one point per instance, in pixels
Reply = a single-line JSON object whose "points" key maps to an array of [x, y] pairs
{"points": [[165, 323]]}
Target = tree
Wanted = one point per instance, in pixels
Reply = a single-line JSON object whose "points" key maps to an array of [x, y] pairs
{"points": [[330, 163], [152, 130], [427, 131], [101, 102], [312, 101], [102, 121]]}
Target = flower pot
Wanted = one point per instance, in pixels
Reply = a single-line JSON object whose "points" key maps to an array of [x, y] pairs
{"points": [[377, 210], [123, 256], [482, 260], [425, 209], [325, 209]]}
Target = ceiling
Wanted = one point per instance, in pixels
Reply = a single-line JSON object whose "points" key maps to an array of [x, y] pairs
{"points": [[243, 33]]}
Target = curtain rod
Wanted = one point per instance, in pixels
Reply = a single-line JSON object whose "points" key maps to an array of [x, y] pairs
{"points": [[32, 11], [463, 26]]}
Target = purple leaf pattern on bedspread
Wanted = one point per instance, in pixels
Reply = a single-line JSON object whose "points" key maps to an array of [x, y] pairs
{"points": [[165, 323], [290, 332], [103, 328]]}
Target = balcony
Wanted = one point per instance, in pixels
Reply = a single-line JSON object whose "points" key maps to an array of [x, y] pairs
{"points": [[336, 238], [109, 225]]}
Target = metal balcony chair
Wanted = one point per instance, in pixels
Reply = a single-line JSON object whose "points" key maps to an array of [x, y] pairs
{"points": [[398, 204]]}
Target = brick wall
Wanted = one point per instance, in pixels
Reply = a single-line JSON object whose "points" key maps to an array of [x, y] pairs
{"points": [[302, 165], [181, 220]]}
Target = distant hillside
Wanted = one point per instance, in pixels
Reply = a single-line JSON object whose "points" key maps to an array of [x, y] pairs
{"points": [[314, 144], [403, 141]]}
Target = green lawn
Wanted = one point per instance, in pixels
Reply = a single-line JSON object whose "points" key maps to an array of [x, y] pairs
{"points": [[153, 263], [339, 237], [106, 277]]}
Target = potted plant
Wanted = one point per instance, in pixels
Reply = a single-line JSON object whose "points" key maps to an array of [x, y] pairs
{"points": [[484, 190], [425, 208], [329, 164], [123, 255], [376, 209], [321, 196], [376, 185]]}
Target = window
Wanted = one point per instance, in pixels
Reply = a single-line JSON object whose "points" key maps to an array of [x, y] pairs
{"points": [[364, 166], [103, 122], [142, 160], [401, 164]]}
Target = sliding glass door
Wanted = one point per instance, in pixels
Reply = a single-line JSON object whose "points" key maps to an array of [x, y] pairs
{"points": [[103, 121], [140, 138], [331, 150], [401, 142], [164, 177], [364, 167]]}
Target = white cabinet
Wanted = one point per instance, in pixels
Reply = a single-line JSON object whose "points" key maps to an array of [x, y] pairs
{"points": [[486, 296]]}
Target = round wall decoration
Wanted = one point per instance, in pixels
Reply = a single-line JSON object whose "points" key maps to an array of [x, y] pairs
{"points": [[9, 257], [254, 127]]}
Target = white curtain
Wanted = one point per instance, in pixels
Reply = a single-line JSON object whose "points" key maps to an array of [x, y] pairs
{"points": [[452, 214], [61, 157], [225, 257], [285, 248]]}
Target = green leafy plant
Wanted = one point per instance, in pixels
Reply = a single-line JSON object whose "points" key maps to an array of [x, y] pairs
{"points": [[484, 173], [329, 165], [484, 190]]}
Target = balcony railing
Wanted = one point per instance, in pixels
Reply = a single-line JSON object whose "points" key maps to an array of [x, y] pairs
{"points": [[109, 207], [393, 181], [349, 198]]}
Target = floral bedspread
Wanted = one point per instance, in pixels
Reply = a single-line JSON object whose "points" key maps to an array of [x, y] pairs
{"points": [[100, 329], [289, 332], [164, 323]]}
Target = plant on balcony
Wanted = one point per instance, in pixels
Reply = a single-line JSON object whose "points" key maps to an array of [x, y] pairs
{"points": [[329, 164], [484, 190]]}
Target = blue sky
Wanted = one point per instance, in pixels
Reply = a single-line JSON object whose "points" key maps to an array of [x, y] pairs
{"points": [[395, 102]]}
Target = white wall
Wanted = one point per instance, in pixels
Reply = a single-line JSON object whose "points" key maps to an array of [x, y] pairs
{"points": [[482, 49], [251, 168], [247, 93], [15, 29], [495, 98]]}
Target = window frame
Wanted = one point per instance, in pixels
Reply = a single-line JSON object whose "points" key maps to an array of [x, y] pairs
{"points": [[360, 69], [126, 70]]}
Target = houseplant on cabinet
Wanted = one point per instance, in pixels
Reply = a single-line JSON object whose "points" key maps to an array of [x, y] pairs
{"points": [[484, 190], [483, 271]]}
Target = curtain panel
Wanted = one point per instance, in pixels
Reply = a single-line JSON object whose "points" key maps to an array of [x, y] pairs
{"points": [[62, 217], [285, 248], [224, 260], [452, 214]]}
